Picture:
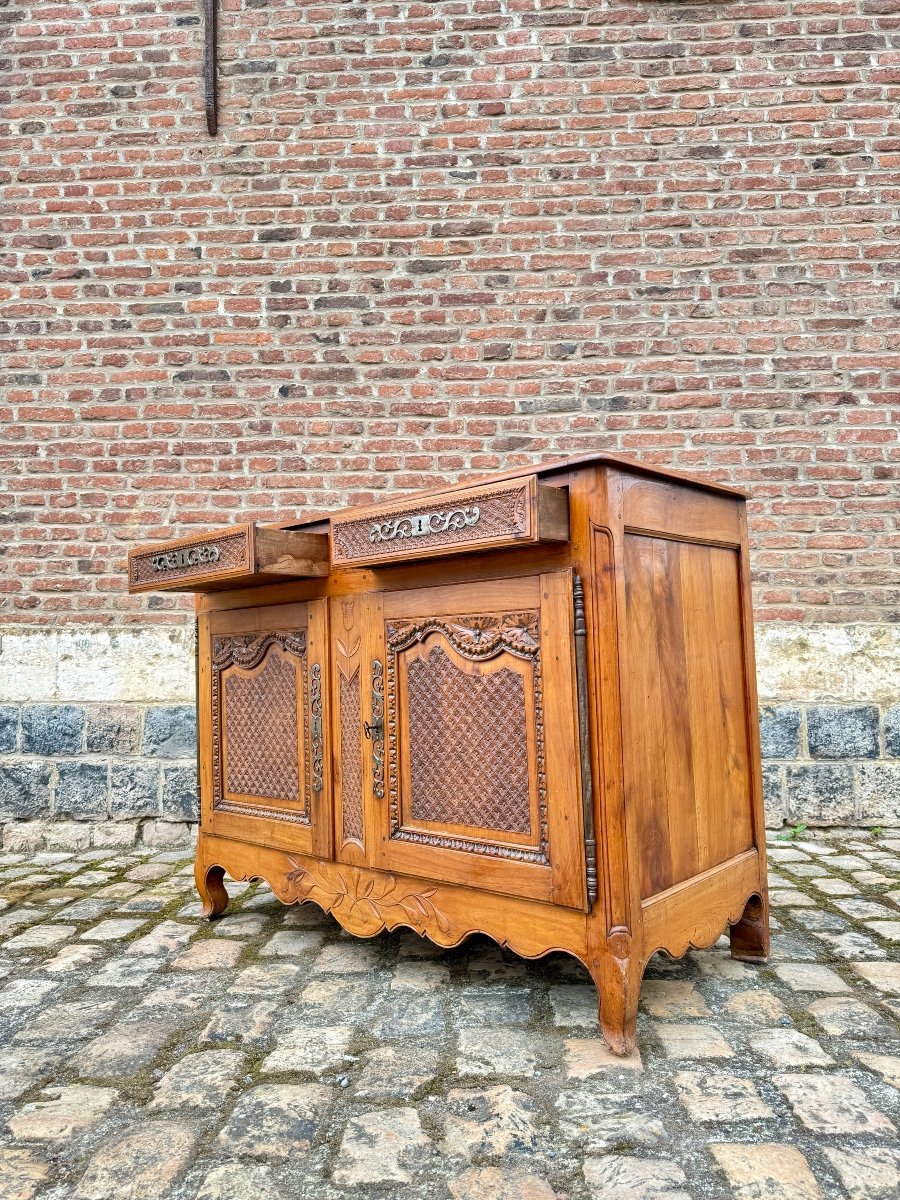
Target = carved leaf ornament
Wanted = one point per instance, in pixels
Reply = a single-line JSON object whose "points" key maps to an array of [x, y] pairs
{"points": [[382, 900]]}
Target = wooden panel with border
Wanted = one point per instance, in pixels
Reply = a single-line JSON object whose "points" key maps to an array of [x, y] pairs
{"points": [[492, 701], [264, 726], [685, 728]]}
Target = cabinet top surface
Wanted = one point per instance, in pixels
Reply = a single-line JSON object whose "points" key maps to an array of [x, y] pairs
{"points": [[543, 470]]}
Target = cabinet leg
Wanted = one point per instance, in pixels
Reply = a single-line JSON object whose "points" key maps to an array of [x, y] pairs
{"points": [[619, 993], [212, 891], [750, 935]]}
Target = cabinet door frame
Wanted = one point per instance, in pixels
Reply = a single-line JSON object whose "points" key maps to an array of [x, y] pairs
{"points": [[357, 760], [558, 874], [298, 633]]}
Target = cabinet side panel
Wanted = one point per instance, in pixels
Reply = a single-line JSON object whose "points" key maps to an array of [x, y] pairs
{"points": [[684, 718]]}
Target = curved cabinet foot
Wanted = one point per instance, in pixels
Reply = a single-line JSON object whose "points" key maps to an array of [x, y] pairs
{"points": [[210, 885], [619, 993], [750, 935]]}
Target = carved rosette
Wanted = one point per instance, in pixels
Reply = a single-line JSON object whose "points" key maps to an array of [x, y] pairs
{"points": [[248, 651], [479, 637]]}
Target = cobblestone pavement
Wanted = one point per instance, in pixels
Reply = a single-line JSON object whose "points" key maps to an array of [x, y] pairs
{"points": [[149, 1054]]}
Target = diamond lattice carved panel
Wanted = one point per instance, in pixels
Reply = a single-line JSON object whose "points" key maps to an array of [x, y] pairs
{"points": [[468, 745], [261, 751], [351, 758]]}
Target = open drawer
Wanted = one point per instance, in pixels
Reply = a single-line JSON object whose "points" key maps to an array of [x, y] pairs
{"points": [[239, 556], [510, 513]]}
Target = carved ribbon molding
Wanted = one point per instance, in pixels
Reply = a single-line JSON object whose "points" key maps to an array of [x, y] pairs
{"points": [[376, 730], [478, 637], [247, 650]]}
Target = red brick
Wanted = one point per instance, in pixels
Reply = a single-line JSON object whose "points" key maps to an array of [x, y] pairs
{"points": [[427, 246]]}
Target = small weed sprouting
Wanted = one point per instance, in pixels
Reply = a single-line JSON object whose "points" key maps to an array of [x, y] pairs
{"points": [[788, 835]]}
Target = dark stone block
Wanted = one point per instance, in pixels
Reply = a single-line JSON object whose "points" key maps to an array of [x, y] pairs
{"points": [[820, 793], [82, 790], [892, 731], [52, 729], [134, 791], [170, 732], [25, 790], [879, 793], [779, 731], [838, 732], [773, 795], [180, 797], [112, 729], [9, 728]]}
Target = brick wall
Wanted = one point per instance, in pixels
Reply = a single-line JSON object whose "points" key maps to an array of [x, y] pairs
{"points": [[432, 240]]}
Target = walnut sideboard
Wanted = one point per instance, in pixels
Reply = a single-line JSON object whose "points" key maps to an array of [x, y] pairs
{"points": [[524, 707]]}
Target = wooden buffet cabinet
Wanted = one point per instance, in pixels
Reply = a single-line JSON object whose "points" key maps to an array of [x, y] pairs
{"points": [[525, 708]]}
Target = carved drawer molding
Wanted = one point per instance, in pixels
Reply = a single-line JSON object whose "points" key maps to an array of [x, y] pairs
{"points": [[509, 514], [240, 556]]}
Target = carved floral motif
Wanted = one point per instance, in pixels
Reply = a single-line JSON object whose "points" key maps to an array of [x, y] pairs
{"points": [[315, 713], [345, 888], [375, 731]]}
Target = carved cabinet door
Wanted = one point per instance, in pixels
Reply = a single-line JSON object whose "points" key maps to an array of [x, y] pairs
{"points": [[263, 726], [475, 767]]}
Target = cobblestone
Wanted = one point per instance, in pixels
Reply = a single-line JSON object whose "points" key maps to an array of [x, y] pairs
{"points": [[146, 1052]]}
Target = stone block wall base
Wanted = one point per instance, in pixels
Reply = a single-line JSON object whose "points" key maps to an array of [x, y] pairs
{"points": [[26, 837], [98, 733]]}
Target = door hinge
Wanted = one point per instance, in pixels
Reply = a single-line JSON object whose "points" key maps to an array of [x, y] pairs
{"points": [[315, 715], [374, 731], [584, 741]]}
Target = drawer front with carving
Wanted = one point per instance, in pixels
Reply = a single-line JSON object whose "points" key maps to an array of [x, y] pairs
{"points": [[177, 565], [508, 514], [480, 736], [265, 762], [227, 558]]}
